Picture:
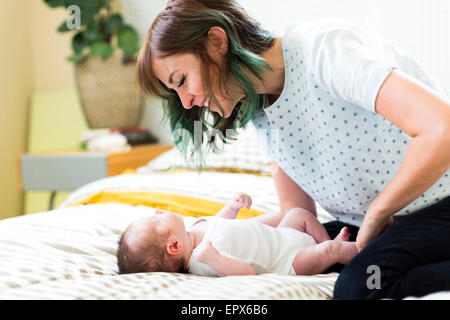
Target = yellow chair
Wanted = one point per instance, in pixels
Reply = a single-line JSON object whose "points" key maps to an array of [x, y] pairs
{"points": [[56, 121]]}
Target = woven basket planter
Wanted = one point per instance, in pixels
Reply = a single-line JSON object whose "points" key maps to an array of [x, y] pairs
{"points": [[108, 92]]}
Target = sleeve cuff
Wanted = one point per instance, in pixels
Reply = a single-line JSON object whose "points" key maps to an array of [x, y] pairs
{"points": [[373, 86]]}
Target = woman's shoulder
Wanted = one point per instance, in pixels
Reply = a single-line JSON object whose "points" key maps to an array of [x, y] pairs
{"points": [[318, 26], [311, 31]]}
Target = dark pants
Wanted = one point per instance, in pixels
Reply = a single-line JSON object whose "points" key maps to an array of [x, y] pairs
{"points": [[411, 258]]}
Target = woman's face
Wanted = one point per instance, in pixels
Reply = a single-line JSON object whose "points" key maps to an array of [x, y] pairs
{"points": [[182, 73]]}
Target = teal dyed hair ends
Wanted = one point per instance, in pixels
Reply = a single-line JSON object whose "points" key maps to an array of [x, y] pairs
{"points": [[183, 28]]}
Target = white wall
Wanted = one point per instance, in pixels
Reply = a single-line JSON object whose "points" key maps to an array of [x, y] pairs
{"points": [[141, 13], [419, 27]]}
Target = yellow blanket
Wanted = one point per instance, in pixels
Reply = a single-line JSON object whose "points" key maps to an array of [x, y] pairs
{"points": [[181, 204]]}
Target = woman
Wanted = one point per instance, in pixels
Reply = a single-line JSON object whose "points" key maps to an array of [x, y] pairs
{"points": [[360, 128]]}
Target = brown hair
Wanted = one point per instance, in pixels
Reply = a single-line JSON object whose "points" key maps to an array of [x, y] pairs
{"points": [[149, 255], [182, 27]]}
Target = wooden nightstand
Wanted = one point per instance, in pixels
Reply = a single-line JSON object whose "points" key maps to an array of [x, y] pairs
{"points": [[69, 170]]}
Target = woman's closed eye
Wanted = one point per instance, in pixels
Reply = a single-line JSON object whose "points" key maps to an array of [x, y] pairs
{"points": [[183, 78]]}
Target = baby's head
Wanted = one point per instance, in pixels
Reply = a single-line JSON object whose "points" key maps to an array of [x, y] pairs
{"points": [[156, 243]]}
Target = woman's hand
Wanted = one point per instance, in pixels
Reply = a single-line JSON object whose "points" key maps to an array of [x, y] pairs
{"points": [[371, 228]]}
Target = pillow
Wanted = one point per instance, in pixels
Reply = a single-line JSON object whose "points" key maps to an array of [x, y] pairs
{"points": [[243, 155]]}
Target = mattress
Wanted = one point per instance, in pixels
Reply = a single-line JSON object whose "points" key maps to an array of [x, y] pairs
{"points": [[69, 252]]}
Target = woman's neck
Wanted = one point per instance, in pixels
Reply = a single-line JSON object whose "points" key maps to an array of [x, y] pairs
{"points": [[273, 80]]}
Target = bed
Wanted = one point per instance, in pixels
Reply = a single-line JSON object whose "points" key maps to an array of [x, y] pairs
{"points": [[69, 253]]}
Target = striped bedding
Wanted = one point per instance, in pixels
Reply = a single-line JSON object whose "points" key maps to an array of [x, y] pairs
{"points": [[69, 253]]}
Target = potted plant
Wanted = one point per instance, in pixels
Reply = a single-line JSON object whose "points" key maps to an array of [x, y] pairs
{"points": [[104, 53]]}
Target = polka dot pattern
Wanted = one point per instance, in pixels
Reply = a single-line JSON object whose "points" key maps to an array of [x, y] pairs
{"points": [[341, 154]]}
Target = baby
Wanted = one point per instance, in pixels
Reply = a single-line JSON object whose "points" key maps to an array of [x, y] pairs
{"points": [[224, 246]]}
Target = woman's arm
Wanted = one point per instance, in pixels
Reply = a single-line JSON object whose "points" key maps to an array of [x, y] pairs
{"points": [[290, 195], [425, 116]]}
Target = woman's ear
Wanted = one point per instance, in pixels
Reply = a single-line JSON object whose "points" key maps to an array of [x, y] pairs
{"points": [[218, 40], [174, 246]]}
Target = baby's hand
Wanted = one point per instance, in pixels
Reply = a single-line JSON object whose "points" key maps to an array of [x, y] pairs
{"points": [[205, 252], [241, 200]]}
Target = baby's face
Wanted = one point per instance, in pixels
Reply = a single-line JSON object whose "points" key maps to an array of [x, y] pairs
{"points": [[165, 222], [159, 222]]}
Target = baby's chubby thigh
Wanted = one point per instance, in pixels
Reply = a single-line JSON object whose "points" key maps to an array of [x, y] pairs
{"points": [[304, 221]]}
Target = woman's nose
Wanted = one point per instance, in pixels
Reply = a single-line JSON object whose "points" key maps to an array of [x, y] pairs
{"points": [[187, 101]]}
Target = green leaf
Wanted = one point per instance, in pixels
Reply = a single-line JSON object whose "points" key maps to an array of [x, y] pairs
{"points": [[79, 42], [86, 3], [114, 23], [88, 13], [101, 49], [128, 41], [76, 57], [55, 3], [80, 3], [92, 32], [63, 27]]}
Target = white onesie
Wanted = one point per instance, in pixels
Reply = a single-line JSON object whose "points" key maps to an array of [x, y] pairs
{"points": [[266, 249]]}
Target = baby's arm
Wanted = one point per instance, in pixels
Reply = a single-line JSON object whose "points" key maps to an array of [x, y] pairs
{"points": [[225, 266], [232, 208]]}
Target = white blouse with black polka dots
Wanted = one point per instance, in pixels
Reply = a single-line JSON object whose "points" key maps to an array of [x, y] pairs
{"points": [[323, 130]]}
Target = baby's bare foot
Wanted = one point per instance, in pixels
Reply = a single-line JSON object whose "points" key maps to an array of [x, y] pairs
{"points": [[344, 235]]}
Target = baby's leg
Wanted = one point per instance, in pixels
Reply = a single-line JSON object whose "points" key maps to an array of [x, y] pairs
{"points": [[304, 221], [318, 258]]}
